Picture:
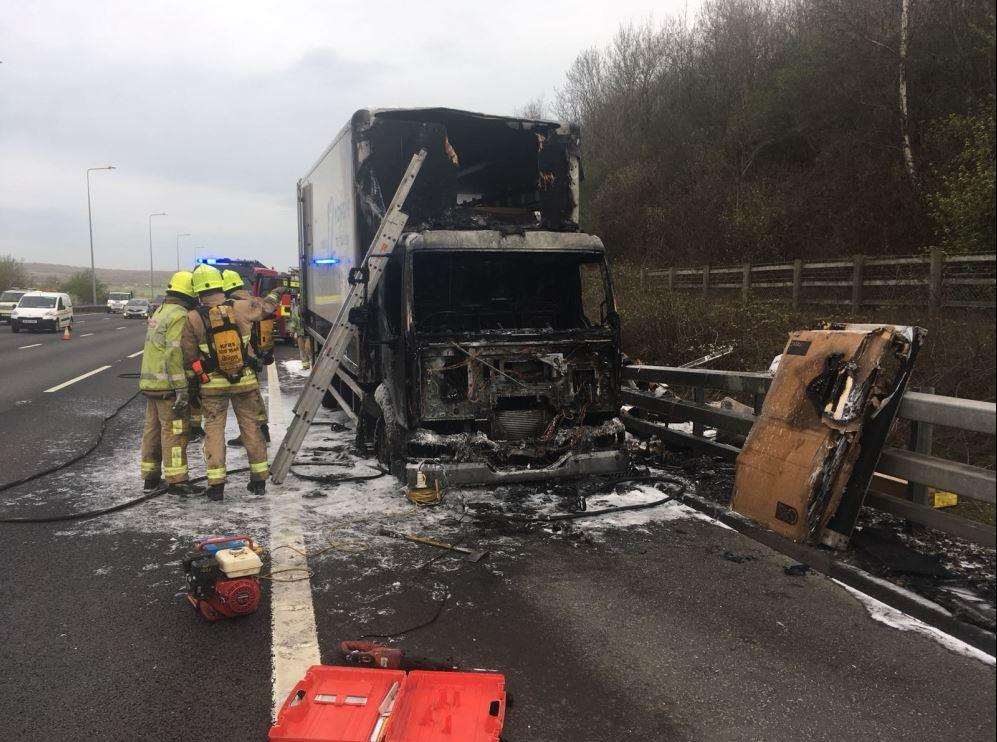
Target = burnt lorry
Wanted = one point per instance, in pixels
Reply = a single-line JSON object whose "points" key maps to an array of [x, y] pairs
{"points": [[489, 351]]}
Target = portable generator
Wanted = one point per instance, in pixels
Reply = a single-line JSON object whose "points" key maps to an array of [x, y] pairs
{"points": [[223, 576]]}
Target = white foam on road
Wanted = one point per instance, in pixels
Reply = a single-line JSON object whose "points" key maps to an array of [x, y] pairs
{"points": [[899, 620]]}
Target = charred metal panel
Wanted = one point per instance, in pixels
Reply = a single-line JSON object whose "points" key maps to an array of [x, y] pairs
{"points": [[808, 459]]}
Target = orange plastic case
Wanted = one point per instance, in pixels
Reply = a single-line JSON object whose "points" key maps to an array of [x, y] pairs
{"points": [[326, 705], [343, 704], [436, 706]]}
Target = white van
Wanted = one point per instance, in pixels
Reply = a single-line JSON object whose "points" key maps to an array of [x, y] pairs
{"points": [[42, 310]]}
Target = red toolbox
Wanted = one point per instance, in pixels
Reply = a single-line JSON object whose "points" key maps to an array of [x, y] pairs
{"points": [[335, 704], [347, 704], [435, 706]]}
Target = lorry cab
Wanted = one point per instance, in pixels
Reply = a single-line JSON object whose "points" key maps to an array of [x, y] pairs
{"points": [[489, 351], [42, 310]]}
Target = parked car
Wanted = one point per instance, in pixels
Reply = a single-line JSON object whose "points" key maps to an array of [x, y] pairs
{"points": [[137, 309], [8, 300], [42, 310], [116, 300]]}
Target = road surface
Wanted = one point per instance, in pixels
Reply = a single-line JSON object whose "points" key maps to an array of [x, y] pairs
{"points": [[644, 631]]}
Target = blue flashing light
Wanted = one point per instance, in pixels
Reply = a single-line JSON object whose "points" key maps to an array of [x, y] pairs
{"points": [[326, 261], [214, 261]]}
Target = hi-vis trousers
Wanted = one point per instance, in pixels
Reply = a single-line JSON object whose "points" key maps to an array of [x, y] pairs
{"points": [[164, 442], [248, 412]]}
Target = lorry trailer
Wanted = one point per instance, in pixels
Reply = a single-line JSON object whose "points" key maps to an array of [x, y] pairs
{"points": [[490, 350]]}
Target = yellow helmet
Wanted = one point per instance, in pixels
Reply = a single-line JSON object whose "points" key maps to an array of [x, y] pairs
{"points": [[182, 282], [232, 280], [207, 278]]}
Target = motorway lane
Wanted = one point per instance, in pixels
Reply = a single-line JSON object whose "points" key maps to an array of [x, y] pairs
{"points": [[39, 428], [33, 362]]}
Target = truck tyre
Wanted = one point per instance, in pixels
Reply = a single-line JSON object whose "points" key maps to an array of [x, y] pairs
{"points": [[388, 434]]}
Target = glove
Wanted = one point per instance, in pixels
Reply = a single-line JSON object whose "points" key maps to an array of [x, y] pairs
{"points": [[181, 403]]}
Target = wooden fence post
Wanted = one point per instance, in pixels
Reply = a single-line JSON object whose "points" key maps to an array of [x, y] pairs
{"points": [[706, 279], [671, 278], [935, 270], [746, 281], [797, 275], [857, 282]]}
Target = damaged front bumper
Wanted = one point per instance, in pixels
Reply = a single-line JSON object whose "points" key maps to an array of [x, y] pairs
{"points": [[476, 459], [570, 465]]}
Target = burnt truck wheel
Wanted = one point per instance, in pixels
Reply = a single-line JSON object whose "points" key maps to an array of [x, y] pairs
{"points": [[388, 434]]}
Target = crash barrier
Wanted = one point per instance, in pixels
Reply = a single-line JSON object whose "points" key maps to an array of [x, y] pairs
{"points": [[934, 279], [888, 492]]}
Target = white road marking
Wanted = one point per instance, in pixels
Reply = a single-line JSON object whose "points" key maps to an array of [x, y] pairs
{"points": [[120, 328], [295, 638], [33, 345], [64, 384], [136, 354], [86, 334]]}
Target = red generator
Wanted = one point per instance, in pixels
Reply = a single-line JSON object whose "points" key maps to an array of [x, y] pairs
{"points": [[223, 576]]}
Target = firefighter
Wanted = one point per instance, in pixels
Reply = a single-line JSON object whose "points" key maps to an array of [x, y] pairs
{"points": [[263, 330], [163, 381], [301, 336], [217, 350]]}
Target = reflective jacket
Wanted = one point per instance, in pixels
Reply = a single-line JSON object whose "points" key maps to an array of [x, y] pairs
{"points": [[194, 340], [295, 323], [162, 357]]}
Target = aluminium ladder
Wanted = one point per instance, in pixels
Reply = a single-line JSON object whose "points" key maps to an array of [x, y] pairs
{"points": [[337, 341]]}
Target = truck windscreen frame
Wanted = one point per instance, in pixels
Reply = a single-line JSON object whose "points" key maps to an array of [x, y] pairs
{"points": [[457, 292]]}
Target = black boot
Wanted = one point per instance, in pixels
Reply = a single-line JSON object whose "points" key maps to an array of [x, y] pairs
{"points": [[184, 489], [195, 432], [237, 441], [152, 482], [257, 487], [265, 429], [216, 492]]}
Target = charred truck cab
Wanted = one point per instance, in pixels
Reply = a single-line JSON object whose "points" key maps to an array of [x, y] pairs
{"points": [[489, 352]]}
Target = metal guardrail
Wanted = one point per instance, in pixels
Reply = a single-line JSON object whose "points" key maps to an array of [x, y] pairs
{"points": [[916, 467]]}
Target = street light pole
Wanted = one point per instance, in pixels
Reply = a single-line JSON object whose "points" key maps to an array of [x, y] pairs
{"points": [[178, 247], [93, 267], [152, 282]]}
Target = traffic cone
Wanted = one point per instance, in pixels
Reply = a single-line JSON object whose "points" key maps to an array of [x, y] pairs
{"points": [[66, 335]]}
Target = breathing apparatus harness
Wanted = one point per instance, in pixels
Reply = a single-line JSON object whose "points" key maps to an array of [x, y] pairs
{"points": [[226, 351]]}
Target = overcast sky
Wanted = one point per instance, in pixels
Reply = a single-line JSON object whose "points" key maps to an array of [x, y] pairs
{"points": [[210, 111]]}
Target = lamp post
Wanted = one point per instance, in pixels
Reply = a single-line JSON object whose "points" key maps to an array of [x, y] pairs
{"points": [[152, 280], [178, 247], [93, 268]]}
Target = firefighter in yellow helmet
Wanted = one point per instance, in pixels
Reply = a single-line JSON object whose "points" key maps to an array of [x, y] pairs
{"points": [[217, 351], [163, 381], [261, 341]]}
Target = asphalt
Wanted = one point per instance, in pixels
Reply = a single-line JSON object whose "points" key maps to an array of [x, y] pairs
{"points": [[644, 633]]}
